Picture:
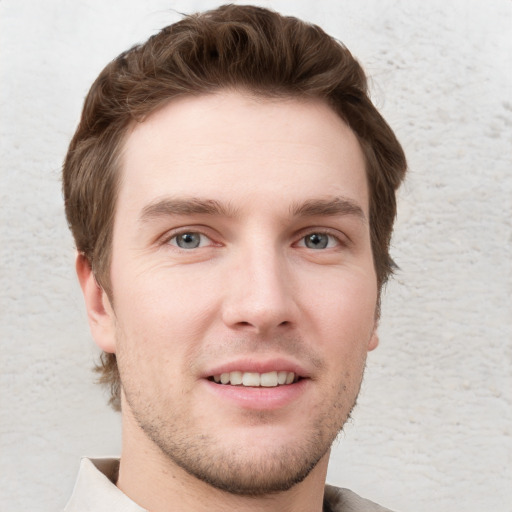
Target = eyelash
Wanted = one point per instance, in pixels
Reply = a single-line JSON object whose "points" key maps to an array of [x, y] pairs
{"points": [[336, 237], [339, 241], [191, 231]]}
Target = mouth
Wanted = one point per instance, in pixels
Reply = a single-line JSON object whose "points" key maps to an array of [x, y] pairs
{"points": [[256, 380]]}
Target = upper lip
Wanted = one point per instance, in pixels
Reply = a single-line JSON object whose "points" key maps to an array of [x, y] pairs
{"points": [[258, 366]]}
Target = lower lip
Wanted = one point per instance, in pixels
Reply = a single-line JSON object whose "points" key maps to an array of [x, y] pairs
{"points": [[262, 399]]}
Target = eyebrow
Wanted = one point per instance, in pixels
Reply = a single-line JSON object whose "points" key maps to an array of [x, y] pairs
{"points": [[186, 206], [196, 206], [328, 207]]}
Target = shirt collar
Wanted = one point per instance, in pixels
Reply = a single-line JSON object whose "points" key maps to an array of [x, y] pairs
{"points": [[95, 489]]}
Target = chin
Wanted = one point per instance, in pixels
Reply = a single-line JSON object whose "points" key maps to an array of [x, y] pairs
{"points": [[253, 472]]}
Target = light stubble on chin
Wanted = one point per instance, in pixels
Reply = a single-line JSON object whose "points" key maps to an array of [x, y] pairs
{"points": [[235, 471], [241, 469]]}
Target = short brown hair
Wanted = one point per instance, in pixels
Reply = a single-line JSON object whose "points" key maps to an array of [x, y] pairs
{"points": [[238, 47]]}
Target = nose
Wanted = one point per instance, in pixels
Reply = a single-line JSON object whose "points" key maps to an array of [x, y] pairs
{"points": [[259, 293]]}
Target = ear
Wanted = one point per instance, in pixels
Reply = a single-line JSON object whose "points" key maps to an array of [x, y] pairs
{"points": [[99, 310], [374, 340]]}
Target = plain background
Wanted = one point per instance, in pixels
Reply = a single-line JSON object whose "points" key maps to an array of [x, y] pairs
{"points": [[433, 427]]}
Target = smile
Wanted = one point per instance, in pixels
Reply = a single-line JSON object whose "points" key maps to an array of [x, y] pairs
{"points": [[253, 379]]}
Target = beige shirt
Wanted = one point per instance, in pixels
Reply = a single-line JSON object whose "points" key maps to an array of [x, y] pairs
{"points": [[95, 491]]}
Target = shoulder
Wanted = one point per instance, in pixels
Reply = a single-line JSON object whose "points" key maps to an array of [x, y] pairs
{"points": [[344, 500]]}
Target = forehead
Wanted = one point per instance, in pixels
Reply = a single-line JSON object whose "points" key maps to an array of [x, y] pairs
{"points": [[233, 147]]}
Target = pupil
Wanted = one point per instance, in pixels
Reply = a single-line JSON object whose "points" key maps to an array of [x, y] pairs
{"points": [[316, 241], [188, 240]]}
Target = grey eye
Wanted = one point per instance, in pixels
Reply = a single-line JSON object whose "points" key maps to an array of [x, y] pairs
{"points": [[188, 240], [316, 241]]}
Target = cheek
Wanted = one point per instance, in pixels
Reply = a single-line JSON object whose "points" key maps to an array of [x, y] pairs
{"points": [[347, 302], [343, 316], [161, 316]]}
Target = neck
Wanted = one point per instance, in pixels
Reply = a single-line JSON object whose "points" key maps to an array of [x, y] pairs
{"points": [[154, 482]]}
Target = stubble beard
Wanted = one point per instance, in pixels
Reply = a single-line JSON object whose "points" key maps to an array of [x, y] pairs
{"points": [[237, 470]]}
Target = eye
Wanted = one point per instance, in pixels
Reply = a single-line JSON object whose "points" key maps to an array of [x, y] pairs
{"points": [[319, 241], [189, 240]]}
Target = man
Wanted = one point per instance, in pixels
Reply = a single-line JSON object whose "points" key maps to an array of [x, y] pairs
{"points": [[231, 191]]}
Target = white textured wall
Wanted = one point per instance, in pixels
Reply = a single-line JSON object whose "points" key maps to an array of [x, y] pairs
{"points": [[433, 430]]}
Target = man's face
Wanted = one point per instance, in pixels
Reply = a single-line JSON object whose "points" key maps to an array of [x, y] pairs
{"points": [[241, 252]]}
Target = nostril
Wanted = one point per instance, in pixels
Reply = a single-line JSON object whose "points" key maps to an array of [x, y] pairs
{"points": [[245, 324]]}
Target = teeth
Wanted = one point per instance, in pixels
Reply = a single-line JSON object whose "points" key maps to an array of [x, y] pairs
{"points": [[281, 377], [236, 378], [268, 380], [252, 379]]}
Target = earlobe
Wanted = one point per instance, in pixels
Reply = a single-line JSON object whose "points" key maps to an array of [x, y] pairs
{"points": [[374, 340], [97, 304]]}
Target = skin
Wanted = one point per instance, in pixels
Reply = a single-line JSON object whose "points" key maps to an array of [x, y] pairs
{"points": [[250, 179]]}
